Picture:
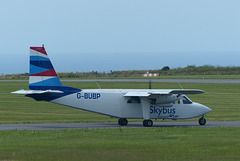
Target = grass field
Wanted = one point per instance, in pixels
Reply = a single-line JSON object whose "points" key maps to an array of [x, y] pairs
{"points": [[177, 143], [173, 144]]}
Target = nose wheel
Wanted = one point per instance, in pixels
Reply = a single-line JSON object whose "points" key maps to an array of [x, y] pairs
{"points": [[202, 121]]}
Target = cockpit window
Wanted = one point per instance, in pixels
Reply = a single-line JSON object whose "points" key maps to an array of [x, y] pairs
{"points": [[186, 100]]}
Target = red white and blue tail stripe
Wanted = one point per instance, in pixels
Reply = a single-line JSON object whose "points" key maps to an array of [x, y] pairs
{"points": [[42, 75], [43, 80]]}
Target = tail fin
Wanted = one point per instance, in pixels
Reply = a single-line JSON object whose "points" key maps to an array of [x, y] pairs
{"points": [[42, 75]]}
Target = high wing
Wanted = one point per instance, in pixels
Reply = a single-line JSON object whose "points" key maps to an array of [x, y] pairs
{"points": [[163, 92], [36, 91]]}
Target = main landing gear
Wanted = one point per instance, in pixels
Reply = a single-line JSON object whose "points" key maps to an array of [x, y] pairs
{"points": [[147, 123], [122, 121], [202, 121]]}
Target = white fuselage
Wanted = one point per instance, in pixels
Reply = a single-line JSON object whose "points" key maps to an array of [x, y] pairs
{"points": [[112, 102]]}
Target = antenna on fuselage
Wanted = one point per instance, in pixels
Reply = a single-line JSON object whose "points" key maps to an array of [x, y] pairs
{"points": [[180, 85], [178, 96], [98, 85]]}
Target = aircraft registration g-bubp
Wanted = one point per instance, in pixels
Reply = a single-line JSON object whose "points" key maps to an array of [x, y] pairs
{"points": [[124, 104]]}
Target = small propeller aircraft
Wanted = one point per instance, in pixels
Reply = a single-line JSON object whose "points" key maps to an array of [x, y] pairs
{"points": [[124, 104]]}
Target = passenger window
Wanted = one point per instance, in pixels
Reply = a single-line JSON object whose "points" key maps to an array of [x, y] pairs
{"points": [[134, 100], [186, 100]]}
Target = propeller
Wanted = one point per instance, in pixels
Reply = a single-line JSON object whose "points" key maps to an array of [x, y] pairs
{"points": [[150, 84]]}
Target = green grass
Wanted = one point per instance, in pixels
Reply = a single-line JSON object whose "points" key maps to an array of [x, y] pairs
{"points": [[222, 98], [175, 144]]}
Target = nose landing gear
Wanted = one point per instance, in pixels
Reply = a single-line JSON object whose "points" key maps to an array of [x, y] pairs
{"points": [[202, 121]]}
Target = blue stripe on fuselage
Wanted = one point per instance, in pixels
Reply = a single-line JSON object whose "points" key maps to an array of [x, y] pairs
{"points": [[61, 88], [52, 96]]}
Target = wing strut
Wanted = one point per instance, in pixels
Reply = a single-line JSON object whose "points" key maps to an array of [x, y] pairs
{"points": [[145, 108]]}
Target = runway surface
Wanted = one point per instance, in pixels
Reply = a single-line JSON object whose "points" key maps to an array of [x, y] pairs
{"points": [[146, 80], [58, 126]]}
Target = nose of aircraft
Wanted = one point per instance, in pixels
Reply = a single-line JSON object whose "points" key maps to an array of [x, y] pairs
{"points": [[206, 109], [202, 110]]}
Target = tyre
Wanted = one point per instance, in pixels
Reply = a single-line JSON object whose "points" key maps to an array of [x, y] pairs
{"points": [[122, 121], [202, 121], [147, 123]]}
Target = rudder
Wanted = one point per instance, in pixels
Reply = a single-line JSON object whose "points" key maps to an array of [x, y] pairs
{"points": [[42, 75]]}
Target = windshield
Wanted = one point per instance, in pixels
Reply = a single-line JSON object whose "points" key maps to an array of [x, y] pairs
{"points": [[186, 100]]}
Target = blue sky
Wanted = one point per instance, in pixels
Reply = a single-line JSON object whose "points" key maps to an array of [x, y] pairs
{"points": [[86, 35]]}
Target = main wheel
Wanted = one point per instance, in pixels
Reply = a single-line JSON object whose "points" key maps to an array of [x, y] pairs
{"points": [[202, 121], [147, 123], [122, 121]]}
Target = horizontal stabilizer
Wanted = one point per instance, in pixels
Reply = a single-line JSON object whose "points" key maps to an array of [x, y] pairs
{"points": [[36, 91]]}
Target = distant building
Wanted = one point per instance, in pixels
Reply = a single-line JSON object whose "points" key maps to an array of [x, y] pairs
{"points": [[147, 74]]}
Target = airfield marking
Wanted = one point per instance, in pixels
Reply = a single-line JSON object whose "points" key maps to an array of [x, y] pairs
{"points": [[59, 126], [146, 80]]}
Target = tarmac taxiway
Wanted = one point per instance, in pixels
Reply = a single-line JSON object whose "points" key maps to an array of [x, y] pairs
{"points": [[103, 125]]}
